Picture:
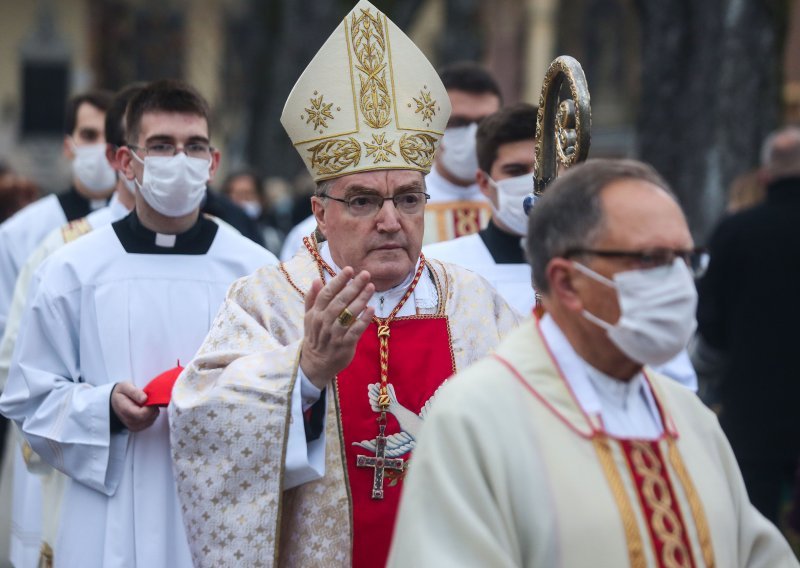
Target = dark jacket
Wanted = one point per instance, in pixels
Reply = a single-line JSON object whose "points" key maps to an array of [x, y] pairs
{"points": [[750, 309]]}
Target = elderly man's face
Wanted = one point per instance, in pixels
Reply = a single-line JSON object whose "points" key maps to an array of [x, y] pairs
{"points": [[387, 243], [639, 216]]}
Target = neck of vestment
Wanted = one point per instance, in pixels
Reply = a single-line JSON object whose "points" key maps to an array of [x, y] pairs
{"points": [[784, 190], [138, 239], [420, 359], [76, 206], [644, 469], [505, 247]]}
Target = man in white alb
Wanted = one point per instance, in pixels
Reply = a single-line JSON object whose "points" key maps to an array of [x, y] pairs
{"points": [[111, 311], [563, 448]]}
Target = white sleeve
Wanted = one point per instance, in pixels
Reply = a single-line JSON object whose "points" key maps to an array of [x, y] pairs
{"points": [[680, 369], [305, 461], [65, 419]]}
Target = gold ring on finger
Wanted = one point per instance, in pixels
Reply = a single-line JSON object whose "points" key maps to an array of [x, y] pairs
{"points": [[346, 318]]}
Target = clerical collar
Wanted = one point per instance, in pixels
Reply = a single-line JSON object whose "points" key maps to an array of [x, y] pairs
{"points": [[504, 247], [442, 190], [599, 394], [138, 239], [76, 206], [424, 295]]}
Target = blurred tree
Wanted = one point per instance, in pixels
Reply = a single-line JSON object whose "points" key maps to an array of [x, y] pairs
{"points": [[710, 94]]}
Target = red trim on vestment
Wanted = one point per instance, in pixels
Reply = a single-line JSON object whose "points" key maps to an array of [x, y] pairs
{"points": [[659, 505], [420, 360]]}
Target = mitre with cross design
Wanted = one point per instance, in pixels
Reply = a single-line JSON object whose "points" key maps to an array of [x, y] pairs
{"points": [[369, 100]]}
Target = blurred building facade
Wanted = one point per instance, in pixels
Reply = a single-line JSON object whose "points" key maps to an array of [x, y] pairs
{"points": [[243, 55]]}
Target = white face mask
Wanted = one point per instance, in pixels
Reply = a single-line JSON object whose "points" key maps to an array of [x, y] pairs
{"points": [[252, 209], [657, 311], [92, 169], [511, 193], [459, 155], [174, 185]]}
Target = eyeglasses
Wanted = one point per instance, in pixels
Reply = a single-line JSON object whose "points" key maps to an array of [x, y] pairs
{"points": [[164, 150], [366, 204], [696, 259]]}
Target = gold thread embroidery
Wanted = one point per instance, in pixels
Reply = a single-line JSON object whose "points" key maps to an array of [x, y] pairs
{"points": [[656, 493], [696, 506], [380, 148], [425, 106], [632, 536], [369, 46], [319, 113], [332, 156], [75, 229], [418, 149]]}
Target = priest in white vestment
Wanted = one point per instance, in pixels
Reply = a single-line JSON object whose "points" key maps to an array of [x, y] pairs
{"points": [[457, 206], [562, 449], [108, 313], [93, 181], [313, 383]]}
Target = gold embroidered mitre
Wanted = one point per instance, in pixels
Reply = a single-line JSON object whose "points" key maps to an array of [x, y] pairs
{"points": [[369, 100]]}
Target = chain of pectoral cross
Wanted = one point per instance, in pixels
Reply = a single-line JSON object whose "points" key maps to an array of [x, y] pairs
{"points": [[379, 461]]}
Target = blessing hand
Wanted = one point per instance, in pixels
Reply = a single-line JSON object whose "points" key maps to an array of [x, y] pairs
{"points": [[332, 325]]}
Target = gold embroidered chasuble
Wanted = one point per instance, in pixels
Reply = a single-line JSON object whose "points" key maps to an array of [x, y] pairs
{"points": [[230, 414], [510, 471]]}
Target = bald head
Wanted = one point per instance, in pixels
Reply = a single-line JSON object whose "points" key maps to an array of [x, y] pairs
{"points": [[780, 155]]}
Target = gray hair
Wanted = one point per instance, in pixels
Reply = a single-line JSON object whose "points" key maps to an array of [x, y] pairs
{"points": [[570, 214], [780, 153], [324, 187]]}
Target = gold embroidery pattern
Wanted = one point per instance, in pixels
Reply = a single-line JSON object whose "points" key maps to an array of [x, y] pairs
{"points": [[656, 493], [319, 113], [367, 36], [418, 149], [696, 506], [332, 156], [466, 222], [426, 106], [380, 148], [632, 536], [75, 229]]}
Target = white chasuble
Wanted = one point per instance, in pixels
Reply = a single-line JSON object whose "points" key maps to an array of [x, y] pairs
{"points": [[239, 388], [109, 308], [511, 470]]}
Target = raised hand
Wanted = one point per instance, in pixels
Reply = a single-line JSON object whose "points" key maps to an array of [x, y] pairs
{"points": [[331, 333]]}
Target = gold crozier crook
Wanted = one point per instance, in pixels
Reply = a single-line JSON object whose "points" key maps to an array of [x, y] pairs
{"points": [[563, 126]]}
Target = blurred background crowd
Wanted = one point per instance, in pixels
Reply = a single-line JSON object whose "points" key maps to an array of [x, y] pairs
{"points": [[690, 87]]}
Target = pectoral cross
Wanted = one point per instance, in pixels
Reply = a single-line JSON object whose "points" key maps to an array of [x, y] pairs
{"points": [[380, 462]]}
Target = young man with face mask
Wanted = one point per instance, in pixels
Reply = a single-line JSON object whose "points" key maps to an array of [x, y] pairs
{"points": [[109, 313], [38, 487], [458, 206], [93, 181], [505, 151], [563, 448]]}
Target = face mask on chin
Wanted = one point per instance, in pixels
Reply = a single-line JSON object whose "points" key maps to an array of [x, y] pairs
{"points": [[459, 155], [251, 208], [173, 185], [657, 311], [91, 168], [511, 193]]}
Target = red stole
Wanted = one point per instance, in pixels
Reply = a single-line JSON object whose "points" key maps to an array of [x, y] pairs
{"points": [[420, 359]]}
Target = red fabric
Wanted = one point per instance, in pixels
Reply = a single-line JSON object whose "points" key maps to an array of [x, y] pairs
{"points": [[647, 486], [159, 390], [420, 359]]}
